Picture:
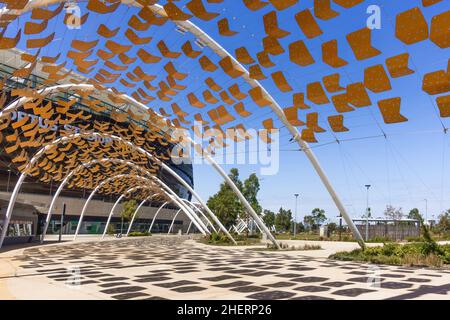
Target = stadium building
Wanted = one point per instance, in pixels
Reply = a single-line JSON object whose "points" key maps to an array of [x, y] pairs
{"points": [[35, 196]]}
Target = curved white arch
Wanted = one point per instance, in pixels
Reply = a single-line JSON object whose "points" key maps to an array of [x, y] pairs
{"points": [[175, 198], [223, 53], [18, 103], [77, 169], [66, 180], [67, 138], [111, 212], [91, 195], [137, 210], [189, 228], [156, 214], [188, 203], [180, 203], [173, 220], [117, 203]]}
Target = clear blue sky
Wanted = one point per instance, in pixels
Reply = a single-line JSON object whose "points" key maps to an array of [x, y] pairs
{"points": [[410, 165]]}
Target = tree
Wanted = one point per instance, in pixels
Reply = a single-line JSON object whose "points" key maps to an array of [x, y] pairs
{"points": [[300, 227], [443, 225], [269, 218], [308, 220], [227, 206], [332, 227], [283, 220], [315, 219], [250, 192], [393, 213], [318, 216], [413, 214], [129, 207]]}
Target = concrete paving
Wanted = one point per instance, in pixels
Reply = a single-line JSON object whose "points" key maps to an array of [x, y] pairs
{"points": [[174, 267]]}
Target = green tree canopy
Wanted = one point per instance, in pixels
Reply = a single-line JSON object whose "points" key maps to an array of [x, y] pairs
{"points": [[315, 219], [300, 227], [250, 191], [308, 221], [319, 216], [129, 207], [283, 220], [413, 214], [332, 227], [269, 218], [443, 224], [227, 206]]}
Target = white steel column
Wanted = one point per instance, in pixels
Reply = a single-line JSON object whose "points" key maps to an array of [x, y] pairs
{"points": [[66, 179], [95, 190], [9, 210], [194, 208], [189, 228], [156, 214], [52, 204], [173, 220], [197, 221], [242, 198], [111, 213], [137, 210]]}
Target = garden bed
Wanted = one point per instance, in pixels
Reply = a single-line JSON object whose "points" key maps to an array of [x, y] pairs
{"points": [[219, 239], [286, 247], [410, 254]]}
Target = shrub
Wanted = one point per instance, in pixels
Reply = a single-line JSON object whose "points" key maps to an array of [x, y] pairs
{"points": [[139, 234], [222, 239], [414, 239], [415, 254], [111, 229], [379, 239], [218, 238]]}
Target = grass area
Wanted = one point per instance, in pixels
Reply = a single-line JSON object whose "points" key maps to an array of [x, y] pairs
{"points": [[410, 254], [313, 237]]}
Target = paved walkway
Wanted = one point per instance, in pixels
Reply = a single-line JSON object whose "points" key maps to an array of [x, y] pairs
{"points": [[178, 268]]}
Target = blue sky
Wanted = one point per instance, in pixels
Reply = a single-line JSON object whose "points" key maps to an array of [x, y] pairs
{"points": [[409, 166], [405, 168]]}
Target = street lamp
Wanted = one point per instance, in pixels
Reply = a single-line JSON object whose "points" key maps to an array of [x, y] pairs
{"points": [[340, 226], [295, 214], [426, 210], [367, 212]]}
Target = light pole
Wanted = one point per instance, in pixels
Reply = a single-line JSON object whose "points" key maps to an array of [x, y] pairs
{"points": [[426, 210], [295, 214], [340, 227], [367, 212], [9, 178]]}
